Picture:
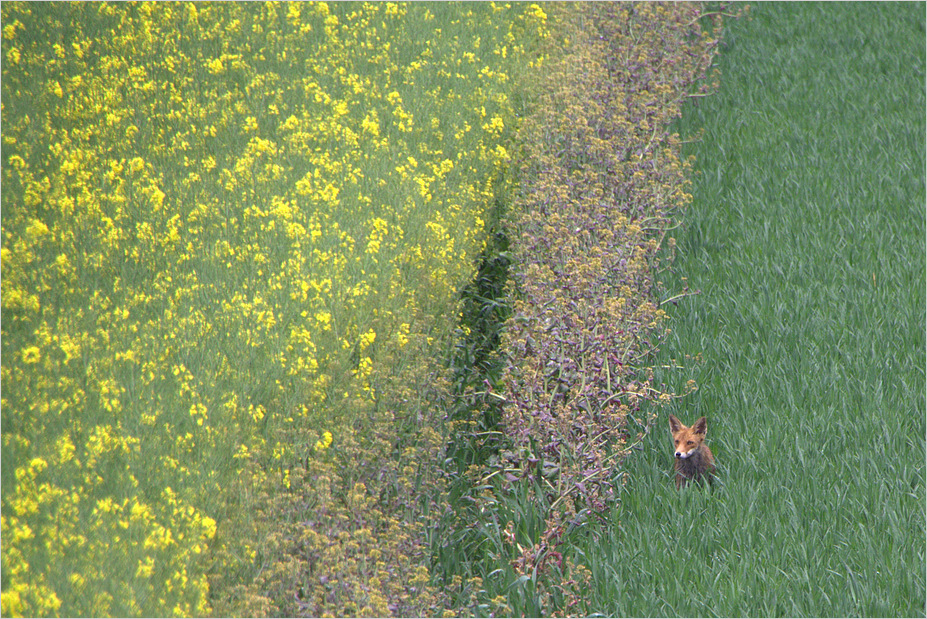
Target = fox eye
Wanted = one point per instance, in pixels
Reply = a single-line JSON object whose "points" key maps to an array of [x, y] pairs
{"points": [[690, 442]]}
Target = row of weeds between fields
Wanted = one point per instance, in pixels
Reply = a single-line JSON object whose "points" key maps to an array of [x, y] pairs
{"points": [[554, 401]]}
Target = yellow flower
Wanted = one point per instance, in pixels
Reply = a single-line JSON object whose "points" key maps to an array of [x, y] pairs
{"points": [[36, 229], [324, 320], [65, 449], [145, 568], [32, 355], [370, 124], [325, 442], [208, 527], [11, 604], [367, 339], [215, 66]]}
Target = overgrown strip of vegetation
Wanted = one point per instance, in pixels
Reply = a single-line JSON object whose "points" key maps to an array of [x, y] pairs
{"points": [[601, 183]]}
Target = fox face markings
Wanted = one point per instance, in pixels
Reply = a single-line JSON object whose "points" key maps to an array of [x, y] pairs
{"points": [[689, 448]]}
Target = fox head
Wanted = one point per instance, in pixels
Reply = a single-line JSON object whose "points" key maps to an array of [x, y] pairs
{"points": [[687, 440]]}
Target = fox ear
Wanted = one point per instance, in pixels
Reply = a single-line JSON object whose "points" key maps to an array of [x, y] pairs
{"points": [[701, 426], [674, 424]]}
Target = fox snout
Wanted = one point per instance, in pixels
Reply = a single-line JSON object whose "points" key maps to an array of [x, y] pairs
{"points": [[682, 455]]}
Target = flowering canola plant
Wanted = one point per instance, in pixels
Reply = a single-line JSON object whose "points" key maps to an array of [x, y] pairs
{"points": [[219, 220]]}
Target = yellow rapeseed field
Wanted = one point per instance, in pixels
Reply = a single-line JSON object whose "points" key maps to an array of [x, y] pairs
{"points": [[217, 220]]}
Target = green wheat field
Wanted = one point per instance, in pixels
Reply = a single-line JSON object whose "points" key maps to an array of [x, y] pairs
{"points": [[805, 240]]}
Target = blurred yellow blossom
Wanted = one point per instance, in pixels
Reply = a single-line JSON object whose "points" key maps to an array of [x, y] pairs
{"points": [[31, 355], [325, 442]]}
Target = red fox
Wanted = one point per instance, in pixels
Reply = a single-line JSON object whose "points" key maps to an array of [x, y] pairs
{"points": [[693, 458]]}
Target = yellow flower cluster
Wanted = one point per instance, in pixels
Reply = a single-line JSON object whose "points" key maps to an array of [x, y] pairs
{"points": [[218, 219], [325, 442]]}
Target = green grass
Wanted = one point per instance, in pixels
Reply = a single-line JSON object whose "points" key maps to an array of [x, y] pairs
{"points": [[806, 241]]}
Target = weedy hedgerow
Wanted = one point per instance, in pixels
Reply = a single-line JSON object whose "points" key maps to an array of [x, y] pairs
{"points": [[601, 183], [598, 199]]}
